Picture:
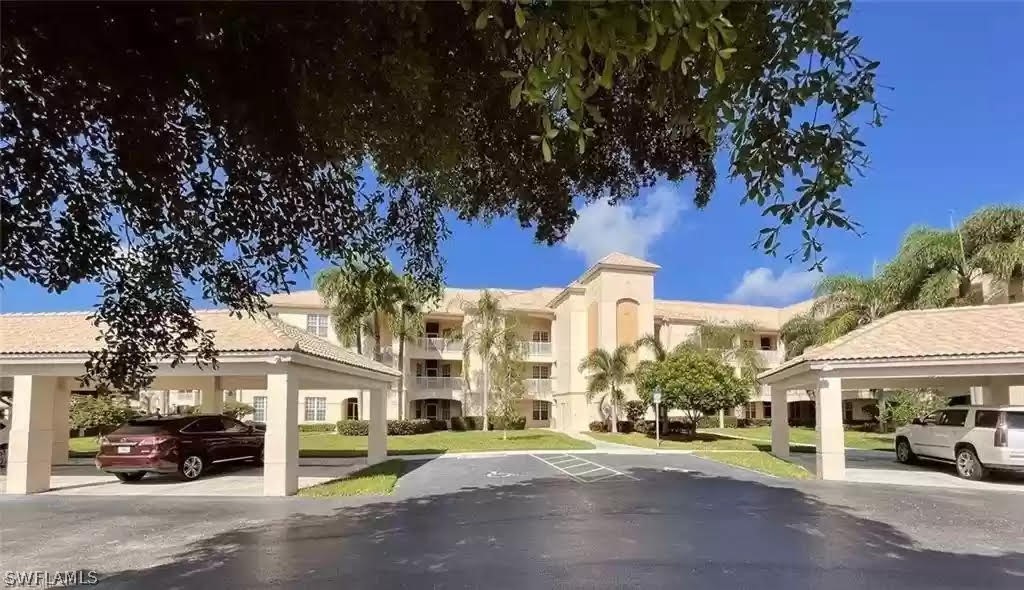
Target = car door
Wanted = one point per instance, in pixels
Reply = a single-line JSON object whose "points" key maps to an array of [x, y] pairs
{"points": [[951, 427], [239, 440], [923, 437], [208, 434]]}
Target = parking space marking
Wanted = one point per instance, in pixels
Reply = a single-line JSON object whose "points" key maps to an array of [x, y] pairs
{"points": [[582, 470]]}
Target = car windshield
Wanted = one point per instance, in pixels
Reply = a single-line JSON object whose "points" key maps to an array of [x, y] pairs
{"points": [[147, 427]]}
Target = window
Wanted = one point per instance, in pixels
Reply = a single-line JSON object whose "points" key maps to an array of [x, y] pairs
{"points": [[541, 336], [953, 418], [432, 329], [751, 410], [316, 323], [748, 343], [986, 419], [446, 370], [316, 409], [1015, 420], [541, 372], [767, 409], [232, 425], [540, 410], [766, 343], [259, 408], [209, 424], [848, 411], [352, 408]]}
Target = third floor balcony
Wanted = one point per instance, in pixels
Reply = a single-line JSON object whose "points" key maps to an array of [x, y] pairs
{"points": [[438, 344], [535, 349]]}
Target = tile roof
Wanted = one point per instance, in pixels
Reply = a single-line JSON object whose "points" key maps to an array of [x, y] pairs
{"points": [[62, 333], [620, 259], [453, 301], [949, 332]]}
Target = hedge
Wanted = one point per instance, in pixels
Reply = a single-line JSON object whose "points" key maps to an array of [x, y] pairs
{"points": [[318, 427], [625, 426], [395, 427], [439, 424]]}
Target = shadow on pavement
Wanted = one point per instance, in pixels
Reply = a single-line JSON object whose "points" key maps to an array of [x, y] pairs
{"points": [[670, 529]]}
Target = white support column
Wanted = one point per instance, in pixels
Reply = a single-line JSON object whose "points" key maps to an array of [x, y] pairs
{"points": [[377, 446], [831, 451], [780, 421], [61, 424], [281, 442], [211, 396], [31, 442], [165, 402]]}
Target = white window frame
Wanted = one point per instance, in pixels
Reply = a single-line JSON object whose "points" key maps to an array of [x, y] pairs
{"points": [[541, 336], [541, 410], [317, 324], [316, 409], [259, 408], [541, 372], [349, 403]]}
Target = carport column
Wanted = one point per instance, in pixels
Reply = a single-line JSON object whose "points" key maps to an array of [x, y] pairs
{"points": [[780, 421], [377, 446], [31, 442], [831, 452], [211, 396], [61, 423], [995, 393], [281, 442]]}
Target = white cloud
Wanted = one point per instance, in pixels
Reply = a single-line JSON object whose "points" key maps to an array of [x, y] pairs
{"points": [[761, 285], [601, 229]]}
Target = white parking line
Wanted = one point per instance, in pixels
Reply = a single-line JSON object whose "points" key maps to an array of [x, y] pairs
{"points": [[571, 465]]}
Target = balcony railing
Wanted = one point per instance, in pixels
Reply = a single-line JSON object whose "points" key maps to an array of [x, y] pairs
{"points": [[439, 344], [771, 358], [536, 348], [539, 386], [444, 383]]}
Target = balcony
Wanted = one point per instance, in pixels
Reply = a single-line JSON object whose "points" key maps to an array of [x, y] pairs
{"points": [[437, 383], [539, 387], [438, 344], [532, 349], [771, 358]]}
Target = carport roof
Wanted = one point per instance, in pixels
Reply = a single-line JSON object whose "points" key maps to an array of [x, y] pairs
{"points": [[954, 332], [73, 332]]}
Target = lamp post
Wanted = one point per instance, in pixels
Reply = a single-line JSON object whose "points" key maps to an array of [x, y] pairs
{"points": [[657, 415]]}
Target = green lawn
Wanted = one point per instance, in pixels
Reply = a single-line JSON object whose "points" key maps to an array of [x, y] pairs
{"points": [[758, 461], [375, 480], [802, 435], [733, 451], [329, 444]]}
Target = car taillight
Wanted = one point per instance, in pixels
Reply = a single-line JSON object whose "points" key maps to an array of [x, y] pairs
{"points": [[1001, 438], [157, 441]]}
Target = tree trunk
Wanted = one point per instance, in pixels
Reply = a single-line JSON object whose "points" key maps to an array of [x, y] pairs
{"points": [[359, 339], [615, 415], [376, 337], [487, 389], [881, 412], [401, 368]]}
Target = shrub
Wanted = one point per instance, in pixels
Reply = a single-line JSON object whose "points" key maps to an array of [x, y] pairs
{"points": [[473, 422], [239, 410], [438, 425], [407, 427], [458, 423], [635, 410], [644, 427], [625, 427], [712, 422], [752, 422], [318, 427], [598, 426], [515, 423], [354, 427]]}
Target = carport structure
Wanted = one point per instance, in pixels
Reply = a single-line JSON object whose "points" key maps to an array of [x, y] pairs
{"points": [[42, 356], [958, 350]]}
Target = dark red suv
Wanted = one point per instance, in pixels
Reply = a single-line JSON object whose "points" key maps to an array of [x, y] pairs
{"points": [[185, 445]]}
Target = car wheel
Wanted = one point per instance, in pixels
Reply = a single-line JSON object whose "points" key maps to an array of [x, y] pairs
{"points": [[191, 467], [967, 464], [258, 459], [133, 476], [904, 454]]}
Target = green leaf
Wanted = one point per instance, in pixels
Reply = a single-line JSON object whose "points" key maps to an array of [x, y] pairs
{"points": [[551, 133], [481, 19], [516, 96], [609, 69], [581, 144], [545, 148], [520, 17], [668, 57], [693, 36], [573, 126], [727, 52], [719, 70]]}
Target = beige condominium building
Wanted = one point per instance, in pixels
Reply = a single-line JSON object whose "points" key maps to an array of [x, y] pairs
{"points": [[612, 303]]}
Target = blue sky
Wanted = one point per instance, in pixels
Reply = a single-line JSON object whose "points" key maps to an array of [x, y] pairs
{"points": [[953, 141]]}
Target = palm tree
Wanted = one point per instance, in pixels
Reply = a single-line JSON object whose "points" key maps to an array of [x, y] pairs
{"points": [[799, 333], [488, 329], [939, 266], [726, 340], [652, 342], [508, 383], [609, 371], [406, 321], [846, 302]]}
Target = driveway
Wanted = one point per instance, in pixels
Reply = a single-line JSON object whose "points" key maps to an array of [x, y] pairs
{"points": [[651, 521], [83, 479]]}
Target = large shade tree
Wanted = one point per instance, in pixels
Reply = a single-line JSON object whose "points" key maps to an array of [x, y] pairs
{"points": [[147, 148]]}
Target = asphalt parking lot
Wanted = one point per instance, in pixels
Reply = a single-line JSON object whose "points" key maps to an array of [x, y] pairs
{"points": [[527, 521]]}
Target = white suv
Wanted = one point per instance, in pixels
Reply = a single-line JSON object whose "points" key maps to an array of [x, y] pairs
{"points": [[976, 438]]}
